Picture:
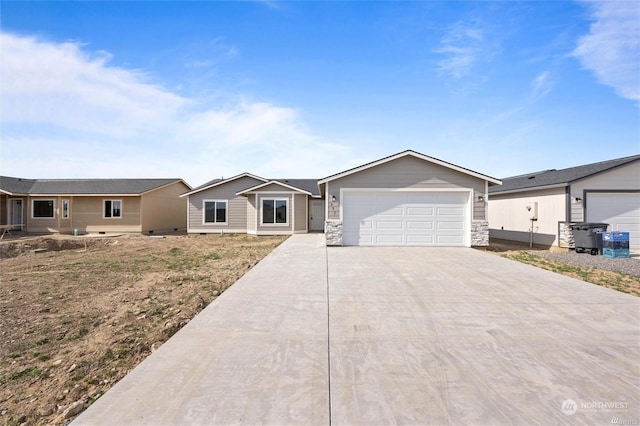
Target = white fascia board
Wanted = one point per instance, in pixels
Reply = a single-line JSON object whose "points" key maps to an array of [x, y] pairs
{"points": [[255, 189]]}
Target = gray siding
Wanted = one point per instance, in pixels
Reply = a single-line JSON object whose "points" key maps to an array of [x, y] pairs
{"points": [[236, 206], [621, 178], [407, 172]]}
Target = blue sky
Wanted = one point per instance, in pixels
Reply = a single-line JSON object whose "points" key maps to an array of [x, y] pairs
{"points": [[204, 89]]}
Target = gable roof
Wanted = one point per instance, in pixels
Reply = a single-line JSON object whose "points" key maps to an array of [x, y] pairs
{"points": [[489, 179], [216, 182], [309, 186], [18, 186], [558, 178], [276, 182]]}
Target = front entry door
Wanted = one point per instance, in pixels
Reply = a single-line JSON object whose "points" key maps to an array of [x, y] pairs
{"points": [[15, 212], [316, 218]]}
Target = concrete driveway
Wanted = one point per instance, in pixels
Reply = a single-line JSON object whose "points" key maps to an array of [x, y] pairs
{"points": [[392, 336]]}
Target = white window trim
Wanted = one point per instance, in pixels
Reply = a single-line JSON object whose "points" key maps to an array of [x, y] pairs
{"points": [[112, 217], [43, 199], [285, 199], [62, 216], [226, 216]]}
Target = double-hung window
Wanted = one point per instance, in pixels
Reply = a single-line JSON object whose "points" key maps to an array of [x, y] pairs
{"points": [[113, 209], [275, 211], [42, 209], [215, 211]]}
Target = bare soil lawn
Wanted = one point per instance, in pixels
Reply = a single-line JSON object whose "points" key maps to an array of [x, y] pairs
{"points": [[76, 317]]}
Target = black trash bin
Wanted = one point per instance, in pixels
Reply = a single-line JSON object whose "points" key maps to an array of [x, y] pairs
{"points": [[588, 236]]}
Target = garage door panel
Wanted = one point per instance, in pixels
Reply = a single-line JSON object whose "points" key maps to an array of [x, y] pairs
{"points": [[420, 225], [620, 210], [409, 218], [442, 225], [420, 211], [394, 239], [419, 239], [450, 211], [389, 225], [449, 240]]}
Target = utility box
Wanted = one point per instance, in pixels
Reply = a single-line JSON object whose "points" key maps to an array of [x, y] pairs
{"points": [[615, 244], [588, 236]]}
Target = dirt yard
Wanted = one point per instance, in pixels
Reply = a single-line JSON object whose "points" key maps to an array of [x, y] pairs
{"points": [[76, 314]]}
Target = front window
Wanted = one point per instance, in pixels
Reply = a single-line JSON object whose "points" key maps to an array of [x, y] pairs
{"points": [[65, 209], [215, 211], [112, 208], [274, 211], [43, 209]]}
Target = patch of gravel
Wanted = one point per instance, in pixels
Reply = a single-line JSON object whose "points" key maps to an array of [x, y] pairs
{"points": [[629, 266]]}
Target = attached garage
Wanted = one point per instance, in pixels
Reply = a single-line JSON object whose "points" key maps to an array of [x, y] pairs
{"points": [[397, 218], [407, 199], [621, 210]]}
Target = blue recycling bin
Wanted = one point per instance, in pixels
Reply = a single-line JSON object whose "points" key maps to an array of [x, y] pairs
{"points": [[615, 244]]}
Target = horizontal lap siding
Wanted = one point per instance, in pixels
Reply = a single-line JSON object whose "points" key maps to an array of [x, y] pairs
{"points": [[163, 209], [621, 178], [236, 205], [42, 224], [408, 172], [87, 215]]}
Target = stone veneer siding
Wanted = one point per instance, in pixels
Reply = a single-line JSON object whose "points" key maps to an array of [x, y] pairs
{"points": [[565, 237], [333, 232], [479, 233]]}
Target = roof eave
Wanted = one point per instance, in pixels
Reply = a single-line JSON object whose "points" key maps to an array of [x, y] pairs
{"points": [[529, 189], [416, 155], [213, 185]]}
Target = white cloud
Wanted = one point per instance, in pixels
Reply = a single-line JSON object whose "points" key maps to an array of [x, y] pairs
{"points": [[68, 113], [463, 46], [541, 85], [610, 50]]}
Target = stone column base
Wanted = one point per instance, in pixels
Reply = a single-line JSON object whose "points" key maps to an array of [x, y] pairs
{"points": [[333, 232], [479, 233]]}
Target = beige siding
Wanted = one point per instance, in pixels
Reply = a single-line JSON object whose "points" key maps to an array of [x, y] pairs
{"points": [[300, 212], [275, 229], [621, 178], [42, 224], [252, 214], [236, 206], [509, 218], [87, 215], [406, 172], [163, 209]]}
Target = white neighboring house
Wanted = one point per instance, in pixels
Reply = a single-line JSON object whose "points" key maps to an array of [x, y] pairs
{"points": [[607, 192]]}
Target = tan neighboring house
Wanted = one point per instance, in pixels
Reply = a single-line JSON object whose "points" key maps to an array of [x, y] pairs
{"points": [[93, 205], [552, 200], [405, 199]]}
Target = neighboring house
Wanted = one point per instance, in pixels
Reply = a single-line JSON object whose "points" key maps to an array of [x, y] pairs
{"points": [[404, 199], [93, 205], [607, 192]]}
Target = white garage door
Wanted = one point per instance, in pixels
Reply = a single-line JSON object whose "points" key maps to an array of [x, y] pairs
{"points": [[405, 219], [620, 210]]}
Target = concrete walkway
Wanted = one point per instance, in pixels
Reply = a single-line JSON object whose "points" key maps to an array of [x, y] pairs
{"points": [[391, 336]]}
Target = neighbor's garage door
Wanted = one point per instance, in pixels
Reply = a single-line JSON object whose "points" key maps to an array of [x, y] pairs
{"points": [[620, 210], [405, 219]]}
